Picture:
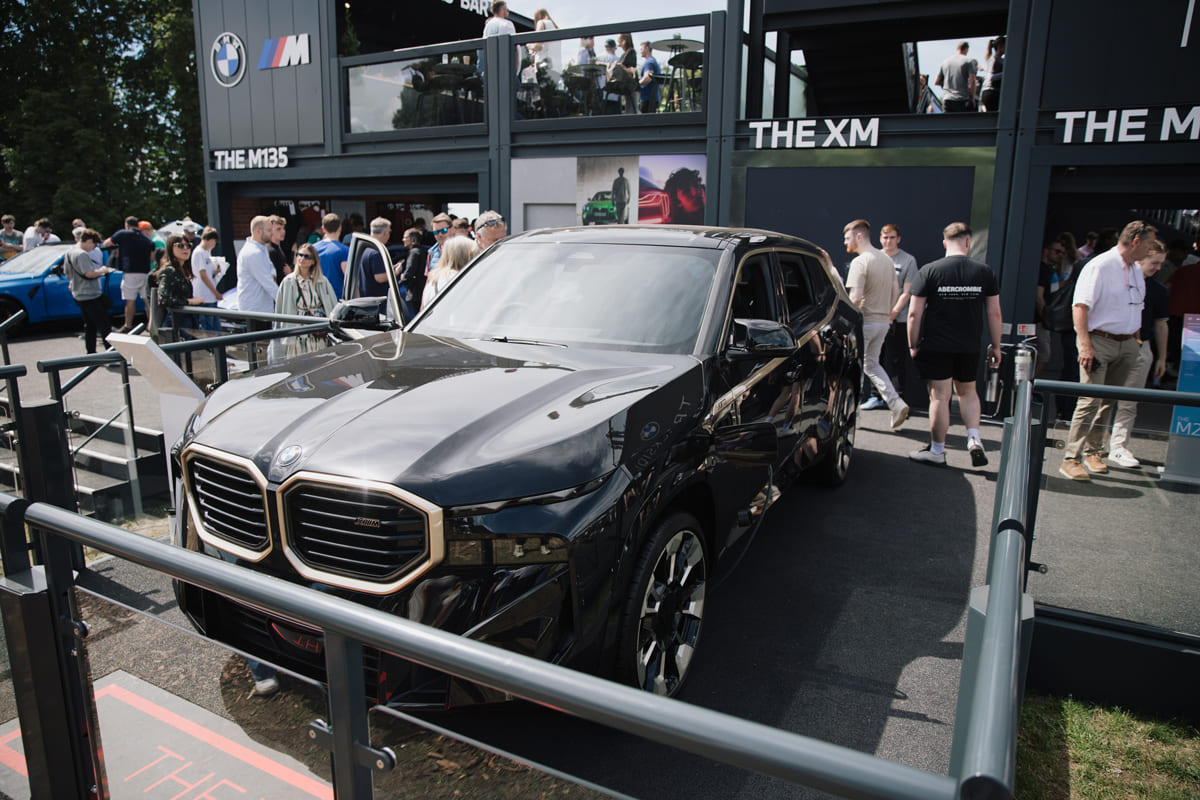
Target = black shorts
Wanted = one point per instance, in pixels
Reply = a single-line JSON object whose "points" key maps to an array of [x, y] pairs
{"points": [[936, 366]]}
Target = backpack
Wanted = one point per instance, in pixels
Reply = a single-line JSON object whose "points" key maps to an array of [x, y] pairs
{"points": [[1057, 314]]}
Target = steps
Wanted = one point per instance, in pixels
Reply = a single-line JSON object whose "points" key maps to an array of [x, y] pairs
{"points": [[101, 465]]}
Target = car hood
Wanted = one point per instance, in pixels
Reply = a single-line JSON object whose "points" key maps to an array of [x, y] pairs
{"points": [[456, 422]]}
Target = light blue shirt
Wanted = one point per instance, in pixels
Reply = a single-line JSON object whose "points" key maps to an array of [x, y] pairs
{"points": [[256, 279]]}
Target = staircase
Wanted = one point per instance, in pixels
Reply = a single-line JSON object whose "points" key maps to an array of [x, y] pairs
{"points": [[101, 465]]}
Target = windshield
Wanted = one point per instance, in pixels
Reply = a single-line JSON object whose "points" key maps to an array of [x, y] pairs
{"points": [[629, 297], [33, 262]]}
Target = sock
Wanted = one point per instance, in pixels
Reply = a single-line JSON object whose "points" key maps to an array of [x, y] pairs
{"points": [[972, 433], [937, 448]]}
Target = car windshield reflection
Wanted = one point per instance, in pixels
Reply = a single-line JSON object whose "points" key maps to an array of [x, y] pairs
{"points": [[33, 261], [625, 297]]}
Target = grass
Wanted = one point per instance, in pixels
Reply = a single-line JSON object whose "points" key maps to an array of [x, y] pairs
{"points": [[1069, 750]]}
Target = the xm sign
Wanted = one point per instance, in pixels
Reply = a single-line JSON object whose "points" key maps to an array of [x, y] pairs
{"points": [[286, 51]]}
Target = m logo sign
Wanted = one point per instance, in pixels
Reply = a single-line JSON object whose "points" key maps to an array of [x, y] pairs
{"points": [[287, 51]]}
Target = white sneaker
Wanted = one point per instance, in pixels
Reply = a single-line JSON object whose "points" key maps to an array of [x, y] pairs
{"points": [[267, 686], [978, 456], [927, 456], [899, 414], [1123, 458]]}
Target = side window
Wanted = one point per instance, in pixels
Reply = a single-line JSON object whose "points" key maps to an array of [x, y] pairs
{"points": [[806, 289], [751, 292], [796, 291], [819, 280]]}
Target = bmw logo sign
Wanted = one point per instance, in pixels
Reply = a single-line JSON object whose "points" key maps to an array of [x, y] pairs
{"points": [[649, 431], [288, 455], [228, 60]]}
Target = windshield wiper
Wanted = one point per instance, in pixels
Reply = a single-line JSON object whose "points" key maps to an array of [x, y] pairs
{"points": [[507, 340]]}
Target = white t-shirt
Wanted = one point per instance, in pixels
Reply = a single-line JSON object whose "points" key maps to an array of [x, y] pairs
{"points": [[202, 263], [498, 25]]}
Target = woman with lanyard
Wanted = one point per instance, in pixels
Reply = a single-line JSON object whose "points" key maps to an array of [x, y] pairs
{"points": [[305, 292]]}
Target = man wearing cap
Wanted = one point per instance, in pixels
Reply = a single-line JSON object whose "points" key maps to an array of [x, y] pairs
{"points": [[489, 229], [134, 253]]}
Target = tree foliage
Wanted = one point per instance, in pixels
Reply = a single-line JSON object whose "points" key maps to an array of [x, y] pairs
{"points": [[99, 112]]}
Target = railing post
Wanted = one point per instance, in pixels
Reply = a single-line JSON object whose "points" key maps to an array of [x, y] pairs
{"points": [[46, 469], [348, 716], [51, 681], [135, 484]]}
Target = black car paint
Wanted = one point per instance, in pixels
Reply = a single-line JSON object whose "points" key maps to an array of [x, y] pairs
{"points": [[498, 434]]}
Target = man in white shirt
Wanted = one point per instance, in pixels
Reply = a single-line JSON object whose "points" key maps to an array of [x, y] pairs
{"points": [[499, 22], [40, 233], [1107, 313], [255, 273], [206, 272]]}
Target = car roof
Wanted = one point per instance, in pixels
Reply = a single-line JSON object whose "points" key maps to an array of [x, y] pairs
{"points": [[662, 235]]}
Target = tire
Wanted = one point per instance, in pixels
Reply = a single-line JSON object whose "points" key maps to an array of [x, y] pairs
{"points": [[665, 608], [8, 307], [835, 466]]}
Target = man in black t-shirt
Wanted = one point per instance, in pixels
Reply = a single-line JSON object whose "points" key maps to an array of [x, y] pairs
{"points": [[135, 252], [945, 324]]}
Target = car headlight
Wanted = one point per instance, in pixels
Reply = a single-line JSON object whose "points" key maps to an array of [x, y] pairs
{"points": [[506, 551]]}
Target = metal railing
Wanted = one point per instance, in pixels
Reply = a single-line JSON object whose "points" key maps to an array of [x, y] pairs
{"points": [[983, 758], [347, 626]]}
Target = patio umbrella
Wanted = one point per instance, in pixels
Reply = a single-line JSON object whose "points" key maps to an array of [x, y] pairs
{"points": [[176, 226]]}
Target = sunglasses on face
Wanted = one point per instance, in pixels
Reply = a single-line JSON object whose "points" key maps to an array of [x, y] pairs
{"points": [[441, 231], [184, 245], [306, 257]]}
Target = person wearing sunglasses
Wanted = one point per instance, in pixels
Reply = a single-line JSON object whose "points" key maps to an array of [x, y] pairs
{"points": [[305, 292], [175, 279], [441, 232], [489, 229]]}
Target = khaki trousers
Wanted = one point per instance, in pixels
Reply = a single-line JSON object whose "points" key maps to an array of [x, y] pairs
{"points": [[1090, 425]]}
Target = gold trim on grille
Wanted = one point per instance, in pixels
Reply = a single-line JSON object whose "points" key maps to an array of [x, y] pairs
{"points": [[435, 540], [219, 542]]}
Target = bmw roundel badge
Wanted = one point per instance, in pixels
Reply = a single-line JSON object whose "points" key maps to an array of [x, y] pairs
{"points": [[228, 60], [288, 455], [649, 431]]}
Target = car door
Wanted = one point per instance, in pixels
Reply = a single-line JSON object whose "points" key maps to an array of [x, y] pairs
{"points": [[390, 312], [753, 397], [808, 300], [54, 297]]}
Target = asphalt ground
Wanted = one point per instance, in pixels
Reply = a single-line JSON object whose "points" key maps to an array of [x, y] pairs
{"points": [[845, 621]]}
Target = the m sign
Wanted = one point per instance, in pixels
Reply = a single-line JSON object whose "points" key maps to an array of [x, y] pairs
{"points": [[286, 51]]}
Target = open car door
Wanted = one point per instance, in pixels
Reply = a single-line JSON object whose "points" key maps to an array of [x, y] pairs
{"points": [[368, 304]]}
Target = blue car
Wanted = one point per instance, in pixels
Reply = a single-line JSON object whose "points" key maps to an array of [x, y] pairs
{"points": [[33, 281]]}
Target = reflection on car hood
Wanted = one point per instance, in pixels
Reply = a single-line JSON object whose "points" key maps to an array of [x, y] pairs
{"points": [[453, 421]]}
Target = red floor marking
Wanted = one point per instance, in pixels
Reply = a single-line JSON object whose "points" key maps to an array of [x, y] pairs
{"points": [[240, 752], [11, 758]]}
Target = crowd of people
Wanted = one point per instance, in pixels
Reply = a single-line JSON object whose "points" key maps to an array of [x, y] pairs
{"points": [[1111, 312], [628, 83], [934, 317], [965, 86], [1107, 312]]}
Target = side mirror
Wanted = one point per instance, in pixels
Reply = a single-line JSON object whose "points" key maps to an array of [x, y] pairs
{"points": [[58, 269], [360, 314], [761, 338]]}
